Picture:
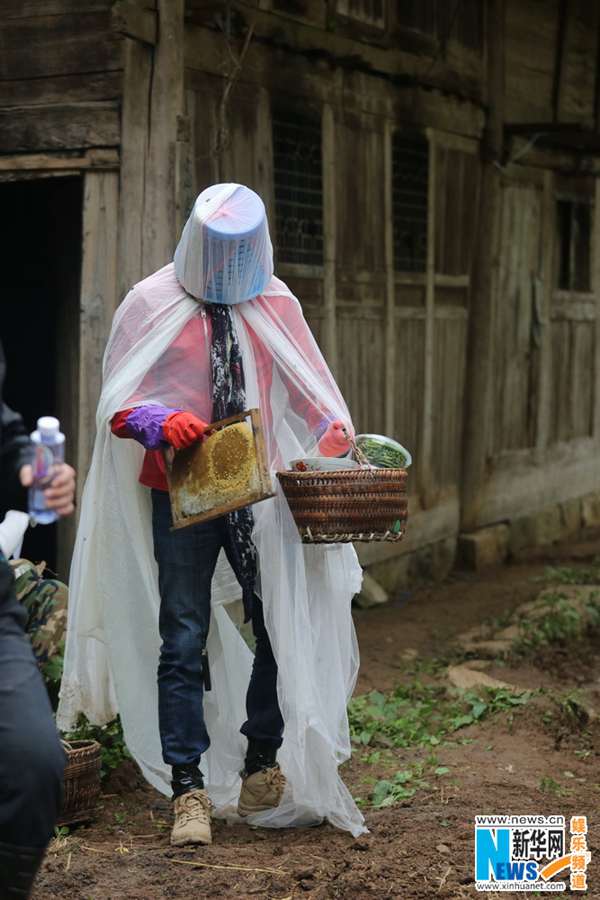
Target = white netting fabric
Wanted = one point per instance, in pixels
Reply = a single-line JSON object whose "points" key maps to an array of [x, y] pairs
{"points": [[225, 253], [112, 647]]}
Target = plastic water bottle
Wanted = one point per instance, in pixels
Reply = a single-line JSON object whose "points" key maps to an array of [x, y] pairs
{"points": [[49, 443]]}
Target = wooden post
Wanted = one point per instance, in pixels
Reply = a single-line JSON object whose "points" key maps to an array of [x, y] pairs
{"points": [[185, 179], [542, 432], [390, 285], [426, 481], [264, 154], [98, 301], [480, 360], [135, 117], [596, 289], [329, 235], [166, 105]]}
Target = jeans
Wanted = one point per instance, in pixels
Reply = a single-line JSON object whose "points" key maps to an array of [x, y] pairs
{"points": [[31, 757], [186, 563]]}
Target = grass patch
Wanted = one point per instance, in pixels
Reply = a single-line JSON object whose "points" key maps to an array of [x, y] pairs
{"points": [[556, 620], [571, 575], [550, 786], [419, 715]]}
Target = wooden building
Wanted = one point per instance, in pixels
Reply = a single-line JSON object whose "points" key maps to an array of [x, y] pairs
{"points": [[430, 169]]}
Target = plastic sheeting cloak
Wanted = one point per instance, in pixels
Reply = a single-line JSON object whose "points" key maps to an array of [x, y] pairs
{"points": [[113, 643]]}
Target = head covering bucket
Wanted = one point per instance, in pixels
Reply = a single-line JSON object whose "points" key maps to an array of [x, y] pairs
{"points": [[225, 253]]}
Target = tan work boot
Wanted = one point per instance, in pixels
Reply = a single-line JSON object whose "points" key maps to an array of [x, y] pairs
{"points": [[262, 790], [192, 818]]}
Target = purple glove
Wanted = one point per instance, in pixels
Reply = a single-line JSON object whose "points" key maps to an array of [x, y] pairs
{"points": [[144, 424]]}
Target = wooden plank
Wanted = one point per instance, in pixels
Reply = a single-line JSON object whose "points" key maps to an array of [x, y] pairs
{"points": [[72, 126], [543, 301], [554, 159], [299, 270], [596, 288], [98, 301], [57, 162], [518, 273], [390, 285], [425, 478], [24, 9], [134, 21], [36, 174], [329, 158], [361, 369], [166, 104], [456, 142], [185, 173], [408, 382], [307, 40], [264, 153], [58, 45], [576, 93], [135, 117], [450, 357], [451, 281], [478, 393], [573, 307], [357, 92], [558, 58], [247, 154], [531, 34], [204, 89], [360, 161], [80, 88]]}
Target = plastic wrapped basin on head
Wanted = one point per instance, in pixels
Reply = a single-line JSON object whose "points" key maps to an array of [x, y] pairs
{"points": [[225, 253]]}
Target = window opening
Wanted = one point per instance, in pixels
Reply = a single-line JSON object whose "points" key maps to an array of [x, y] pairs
{"points": [[574, 227], [297, 165], [410, 188]]}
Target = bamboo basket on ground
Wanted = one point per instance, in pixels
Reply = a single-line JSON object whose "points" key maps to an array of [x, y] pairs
{"points": [[81, 787], [347, 505]]}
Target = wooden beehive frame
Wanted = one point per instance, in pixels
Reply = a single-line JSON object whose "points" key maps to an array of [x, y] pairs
{"points": [[179, 458]]}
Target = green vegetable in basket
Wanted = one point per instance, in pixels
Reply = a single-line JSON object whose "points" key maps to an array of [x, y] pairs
{"points": [[383, 452]]}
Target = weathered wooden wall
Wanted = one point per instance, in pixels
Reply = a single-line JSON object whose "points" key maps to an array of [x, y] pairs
{"points": [[398, 340], [60, 76]]}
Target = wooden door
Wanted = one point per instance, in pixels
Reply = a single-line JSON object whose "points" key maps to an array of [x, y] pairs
{"points": [[518, 288]]}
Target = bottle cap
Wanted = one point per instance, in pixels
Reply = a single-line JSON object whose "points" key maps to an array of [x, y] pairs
{"points": [[48, 426]]}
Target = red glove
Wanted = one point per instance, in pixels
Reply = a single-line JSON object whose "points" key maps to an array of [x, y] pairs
{"points": [[181, 429], [334, 442]]}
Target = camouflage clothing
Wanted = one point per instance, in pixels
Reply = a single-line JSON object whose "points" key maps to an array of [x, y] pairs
{"points": [[45, 601]]}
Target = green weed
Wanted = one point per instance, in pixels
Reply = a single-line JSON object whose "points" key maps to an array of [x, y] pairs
{"points": [[110, 738], [550, 786], [423, 715], [570, 575], [558, 623]]}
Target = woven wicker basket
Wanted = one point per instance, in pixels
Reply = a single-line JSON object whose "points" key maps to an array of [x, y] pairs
{"points": [[81, 782], [347, 505]]}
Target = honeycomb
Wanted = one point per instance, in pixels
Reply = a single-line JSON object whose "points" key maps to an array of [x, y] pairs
{"points": [[222, 468], [228, 458]]}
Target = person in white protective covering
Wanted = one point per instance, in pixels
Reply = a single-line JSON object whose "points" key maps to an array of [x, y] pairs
{"points": [[203, 338]]}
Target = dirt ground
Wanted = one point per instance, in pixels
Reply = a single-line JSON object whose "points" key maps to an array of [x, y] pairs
{"points": [[422, 847]]}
